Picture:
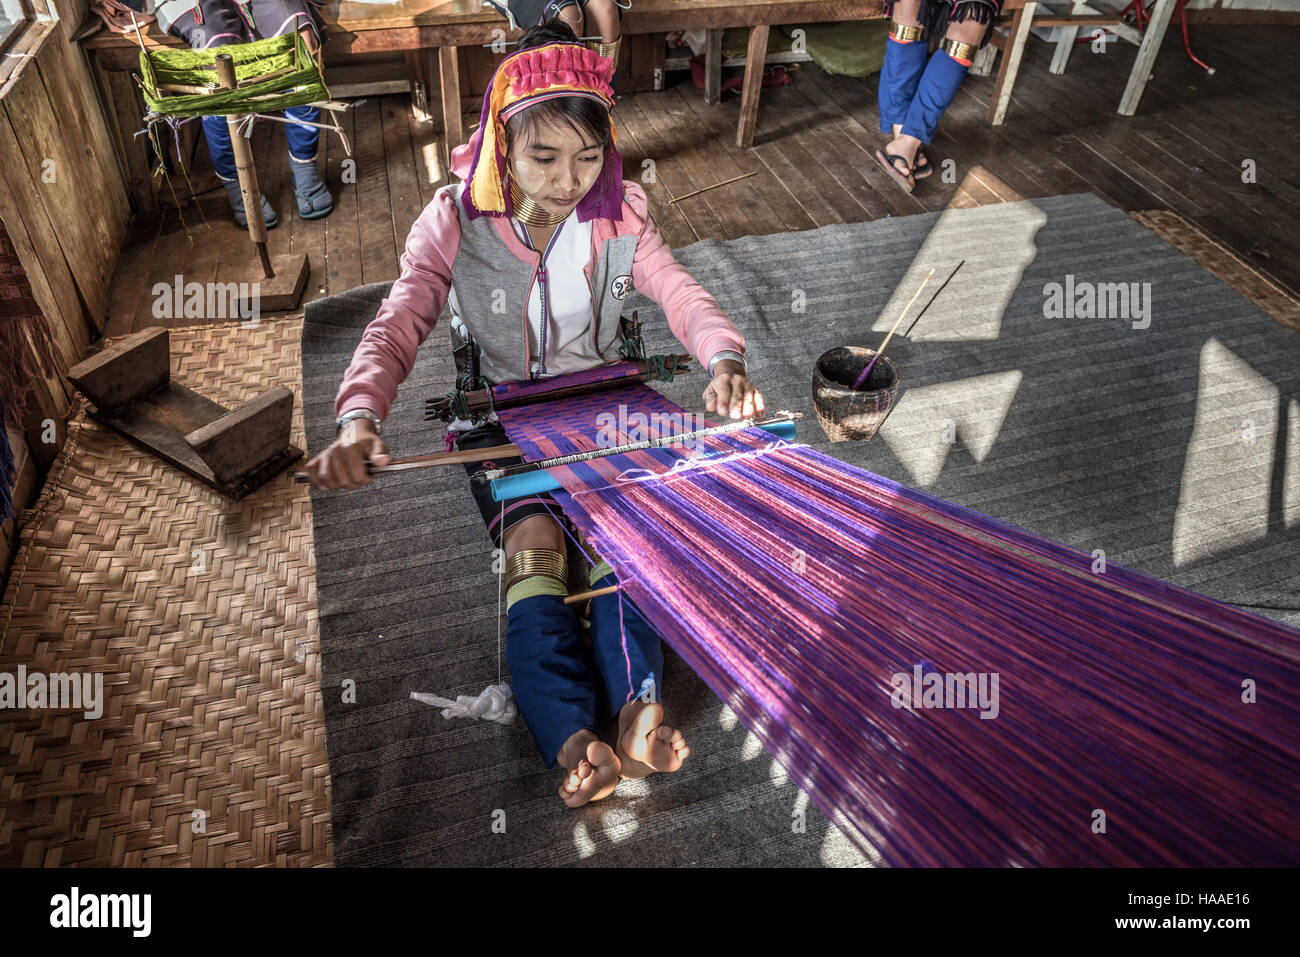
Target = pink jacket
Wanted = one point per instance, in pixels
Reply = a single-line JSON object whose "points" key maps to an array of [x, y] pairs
{"points": [[386, 354]]}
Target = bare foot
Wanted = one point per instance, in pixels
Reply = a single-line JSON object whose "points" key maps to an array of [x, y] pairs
{"points": [[593, 769], [904, 146], [920, 164], [645, 743]]}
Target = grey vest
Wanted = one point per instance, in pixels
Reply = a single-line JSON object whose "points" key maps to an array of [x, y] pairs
{"points": [[490, 286]]}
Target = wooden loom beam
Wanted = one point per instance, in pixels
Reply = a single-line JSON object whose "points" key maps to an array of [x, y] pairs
{"points": [[479, 400]]}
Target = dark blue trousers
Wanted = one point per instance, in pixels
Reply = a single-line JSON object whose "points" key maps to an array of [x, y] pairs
{"points": [[302, 139], [916, 89], [565, 684]]}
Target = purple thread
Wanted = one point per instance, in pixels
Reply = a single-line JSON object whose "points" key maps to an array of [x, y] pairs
{"points": [[1119, 691], [862, 376]]}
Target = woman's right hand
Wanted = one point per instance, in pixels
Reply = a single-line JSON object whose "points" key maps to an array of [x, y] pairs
{"points": [[343, 464]]}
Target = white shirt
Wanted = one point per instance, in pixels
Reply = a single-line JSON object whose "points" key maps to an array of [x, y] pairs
{"points": [[569, 312], [568, 297]]}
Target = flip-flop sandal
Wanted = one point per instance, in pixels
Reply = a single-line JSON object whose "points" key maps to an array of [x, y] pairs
{"points": [[922, 169], [886, 162]]}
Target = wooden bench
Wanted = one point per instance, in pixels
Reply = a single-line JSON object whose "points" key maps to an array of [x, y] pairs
{"points": [[1085, 15], [1020, 14]]}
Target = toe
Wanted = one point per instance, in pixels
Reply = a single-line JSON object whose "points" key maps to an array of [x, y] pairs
{"points": [[651, 717]]}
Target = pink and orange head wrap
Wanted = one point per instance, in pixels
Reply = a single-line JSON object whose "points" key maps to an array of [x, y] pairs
{"points": [[524, 79]]}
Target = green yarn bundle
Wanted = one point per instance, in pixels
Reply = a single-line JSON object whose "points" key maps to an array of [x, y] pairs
{"points": [[292, 78]]}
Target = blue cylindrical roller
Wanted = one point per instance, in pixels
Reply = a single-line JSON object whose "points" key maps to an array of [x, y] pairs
{"points": [[534, 483]]}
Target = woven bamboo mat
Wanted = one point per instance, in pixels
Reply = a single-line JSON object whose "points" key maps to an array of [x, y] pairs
{"points": [[1247, 281], [201, 614]]}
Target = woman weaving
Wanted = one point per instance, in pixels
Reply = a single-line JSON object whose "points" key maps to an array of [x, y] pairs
{"points": [[544, 226]]}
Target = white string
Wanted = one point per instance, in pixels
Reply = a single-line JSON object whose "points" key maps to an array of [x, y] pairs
{"points": [[501, 577], [684, 465], [495, 702]]}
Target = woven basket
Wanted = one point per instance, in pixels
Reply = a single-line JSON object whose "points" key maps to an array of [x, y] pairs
{"points": [[846, 413]]}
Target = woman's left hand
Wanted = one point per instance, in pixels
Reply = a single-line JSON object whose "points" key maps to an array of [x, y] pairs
{"points": [[731, 393]]}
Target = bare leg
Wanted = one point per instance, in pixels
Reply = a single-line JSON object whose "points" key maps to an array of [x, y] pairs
{"points": [[313, 44], [602, 19], [536, 531], [572, 16]]}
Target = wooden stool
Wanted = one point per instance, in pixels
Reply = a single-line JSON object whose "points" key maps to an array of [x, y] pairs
{"points": [[235, 451]]}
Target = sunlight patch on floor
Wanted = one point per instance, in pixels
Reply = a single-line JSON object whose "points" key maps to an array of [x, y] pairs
{"points": [[1227, 473]]}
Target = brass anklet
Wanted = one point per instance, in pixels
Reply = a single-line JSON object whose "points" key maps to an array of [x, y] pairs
{"points": [[606, 49], [906, 32], [958, 50], [537, 561]]}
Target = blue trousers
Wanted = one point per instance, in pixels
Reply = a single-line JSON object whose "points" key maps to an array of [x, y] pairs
{"points": [[302, 139], [934, 94], [223, 22], [899, 76], [563, 684], [915, 93]]}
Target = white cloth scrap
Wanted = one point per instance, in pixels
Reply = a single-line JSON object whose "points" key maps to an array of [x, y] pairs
{"points": [[494, 703]]}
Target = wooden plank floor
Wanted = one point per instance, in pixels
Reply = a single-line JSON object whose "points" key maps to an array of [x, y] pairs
{"points": [[812, 155]]}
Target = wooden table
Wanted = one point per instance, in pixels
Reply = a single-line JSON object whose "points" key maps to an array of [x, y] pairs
{"points": [[441, 27], [426, 33]]}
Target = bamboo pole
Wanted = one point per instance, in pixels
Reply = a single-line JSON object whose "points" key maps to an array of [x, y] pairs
{"points": [[862, 376], [245, 169], [594, 593]]}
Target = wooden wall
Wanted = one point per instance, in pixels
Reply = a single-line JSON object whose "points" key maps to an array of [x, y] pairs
{"points": [[64, 205]]}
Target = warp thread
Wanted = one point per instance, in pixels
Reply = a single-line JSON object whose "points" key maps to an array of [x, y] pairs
{"points": [[799, 588]]}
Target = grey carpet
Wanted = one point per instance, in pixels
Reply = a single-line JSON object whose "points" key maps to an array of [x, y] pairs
{"points": [[1173, 449]]}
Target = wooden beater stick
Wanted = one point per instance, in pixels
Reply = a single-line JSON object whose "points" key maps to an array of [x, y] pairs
{"points": [[596, 593], [862, 377], [437, 458]]}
